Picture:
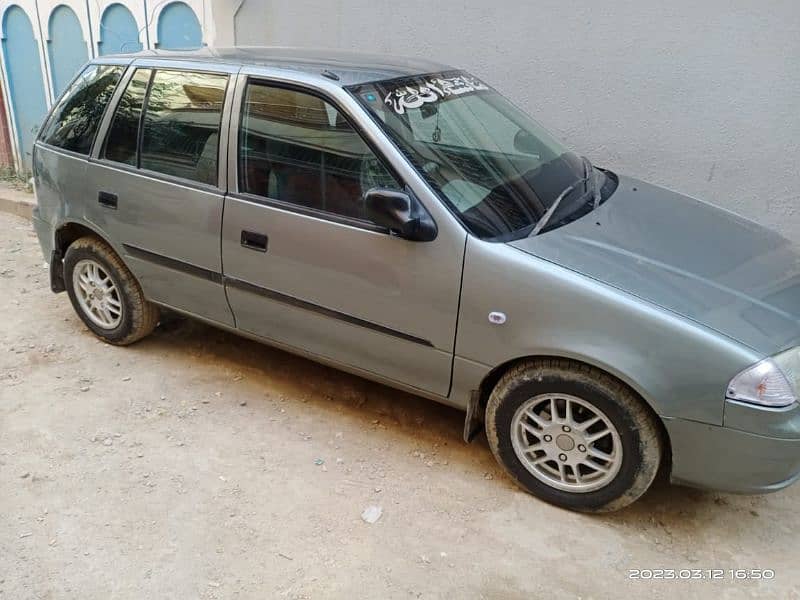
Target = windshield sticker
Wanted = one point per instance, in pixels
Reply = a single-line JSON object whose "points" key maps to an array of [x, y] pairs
{"points": [[433, 89]]}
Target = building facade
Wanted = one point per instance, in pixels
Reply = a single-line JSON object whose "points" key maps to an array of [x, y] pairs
{"points": [[45, 42], [698, 96]]}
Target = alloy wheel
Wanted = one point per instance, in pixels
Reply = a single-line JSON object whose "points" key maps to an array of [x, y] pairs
{"points": [[97, 294], [566, 442]]}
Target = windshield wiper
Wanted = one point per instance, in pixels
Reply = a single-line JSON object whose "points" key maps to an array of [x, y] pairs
{"points": [[541, 223], [589, 172]]}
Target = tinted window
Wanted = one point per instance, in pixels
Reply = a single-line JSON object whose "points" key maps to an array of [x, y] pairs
{"points": [[501, 172], [181, 125], [123, 135], [75, 118], [297, 148]]}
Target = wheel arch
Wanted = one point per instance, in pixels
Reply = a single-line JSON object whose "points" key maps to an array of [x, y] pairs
{"points": [[491, 379], [69, 231], [64, 235]]}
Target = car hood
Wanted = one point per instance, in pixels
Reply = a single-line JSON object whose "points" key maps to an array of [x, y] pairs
{"points": [[697, 260]]}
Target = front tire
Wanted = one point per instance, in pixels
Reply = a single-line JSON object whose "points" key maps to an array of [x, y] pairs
{"points": [[105, 294], [573, 435]]}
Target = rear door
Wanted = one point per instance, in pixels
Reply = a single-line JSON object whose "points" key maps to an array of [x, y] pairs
{"points": [[304, 267], [156, 184]]}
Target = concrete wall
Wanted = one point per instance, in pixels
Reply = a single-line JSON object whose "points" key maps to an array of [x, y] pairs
{"points": [[700, 96]]}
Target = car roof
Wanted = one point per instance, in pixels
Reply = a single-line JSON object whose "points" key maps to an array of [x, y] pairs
{"points": [[350, 67]]}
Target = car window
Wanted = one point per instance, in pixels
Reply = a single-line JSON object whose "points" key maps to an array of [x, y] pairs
{"points": [[75, 118], [181, 124], [297, 148], [425, 127], [123, 134], [496, 168]]}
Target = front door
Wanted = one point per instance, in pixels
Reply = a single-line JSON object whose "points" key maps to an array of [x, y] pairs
{"points": [[304, 267]]}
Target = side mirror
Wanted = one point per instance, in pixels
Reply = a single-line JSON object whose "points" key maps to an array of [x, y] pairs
{"points": [[400, 213], [526, 143]]}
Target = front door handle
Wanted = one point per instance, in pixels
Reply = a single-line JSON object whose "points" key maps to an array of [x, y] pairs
{"points": [[254, 241], [107, 199]]}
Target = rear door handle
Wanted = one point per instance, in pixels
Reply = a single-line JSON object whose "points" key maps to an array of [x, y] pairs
{"points": [[107, 199], [254, 241]]}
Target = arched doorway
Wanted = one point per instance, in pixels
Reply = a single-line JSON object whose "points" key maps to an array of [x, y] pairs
{"points": [[25, 82], [118, 31], [178, 28], [66, 46]]}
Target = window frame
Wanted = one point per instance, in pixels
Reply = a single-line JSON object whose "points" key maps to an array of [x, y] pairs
{"points": [[51, 113], [103, 143], [188, 66], [237, 117]]}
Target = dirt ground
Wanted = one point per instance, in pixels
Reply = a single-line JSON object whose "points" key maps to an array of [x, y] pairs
{"points": [[196, 464]]}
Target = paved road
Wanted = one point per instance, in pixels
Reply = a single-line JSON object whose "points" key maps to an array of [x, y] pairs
{"points": [[199, 465]]}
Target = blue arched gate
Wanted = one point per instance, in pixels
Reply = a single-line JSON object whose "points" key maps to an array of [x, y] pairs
{"points": [[118, 31], [25, 83], [66, 46], [178, 28]]}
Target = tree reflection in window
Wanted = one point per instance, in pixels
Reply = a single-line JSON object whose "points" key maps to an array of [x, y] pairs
{"points": [[123, 135], [74, 121], [181, 125]]}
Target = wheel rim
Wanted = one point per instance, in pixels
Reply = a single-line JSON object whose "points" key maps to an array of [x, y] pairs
{"points": [[566, 442], [97, 294]]}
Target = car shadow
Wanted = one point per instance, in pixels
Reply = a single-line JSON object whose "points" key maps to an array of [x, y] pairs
{"points": [[414, 420], [304, 380]]}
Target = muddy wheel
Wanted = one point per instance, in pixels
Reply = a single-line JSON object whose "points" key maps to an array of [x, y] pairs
{"points": [[573, 435], [105, 294]]}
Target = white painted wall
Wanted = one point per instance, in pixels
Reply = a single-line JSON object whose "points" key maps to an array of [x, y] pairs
{"points": [[700, 96], [220, 26]]}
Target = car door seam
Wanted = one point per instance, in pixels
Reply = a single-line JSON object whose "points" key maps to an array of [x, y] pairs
{"points": [[231, 89], [458, 314]]}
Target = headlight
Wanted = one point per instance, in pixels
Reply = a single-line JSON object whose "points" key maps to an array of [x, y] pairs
{"points": [[772, 382]]}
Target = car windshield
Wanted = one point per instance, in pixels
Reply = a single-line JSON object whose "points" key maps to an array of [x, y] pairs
{"points": [[497, 169]]}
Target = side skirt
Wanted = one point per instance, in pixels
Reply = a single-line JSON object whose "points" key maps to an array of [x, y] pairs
{"points": [[319, 359]]}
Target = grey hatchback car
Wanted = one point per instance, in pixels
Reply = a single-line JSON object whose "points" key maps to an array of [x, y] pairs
{"points": [[401, 220]]}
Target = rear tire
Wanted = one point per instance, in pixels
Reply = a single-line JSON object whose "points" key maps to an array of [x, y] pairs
{"points": [[600, 452], [105, 294]]}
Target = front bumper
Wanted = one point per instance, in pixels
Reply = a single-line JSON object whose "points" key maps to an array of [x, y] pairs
{"points": [[731, 460]]}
